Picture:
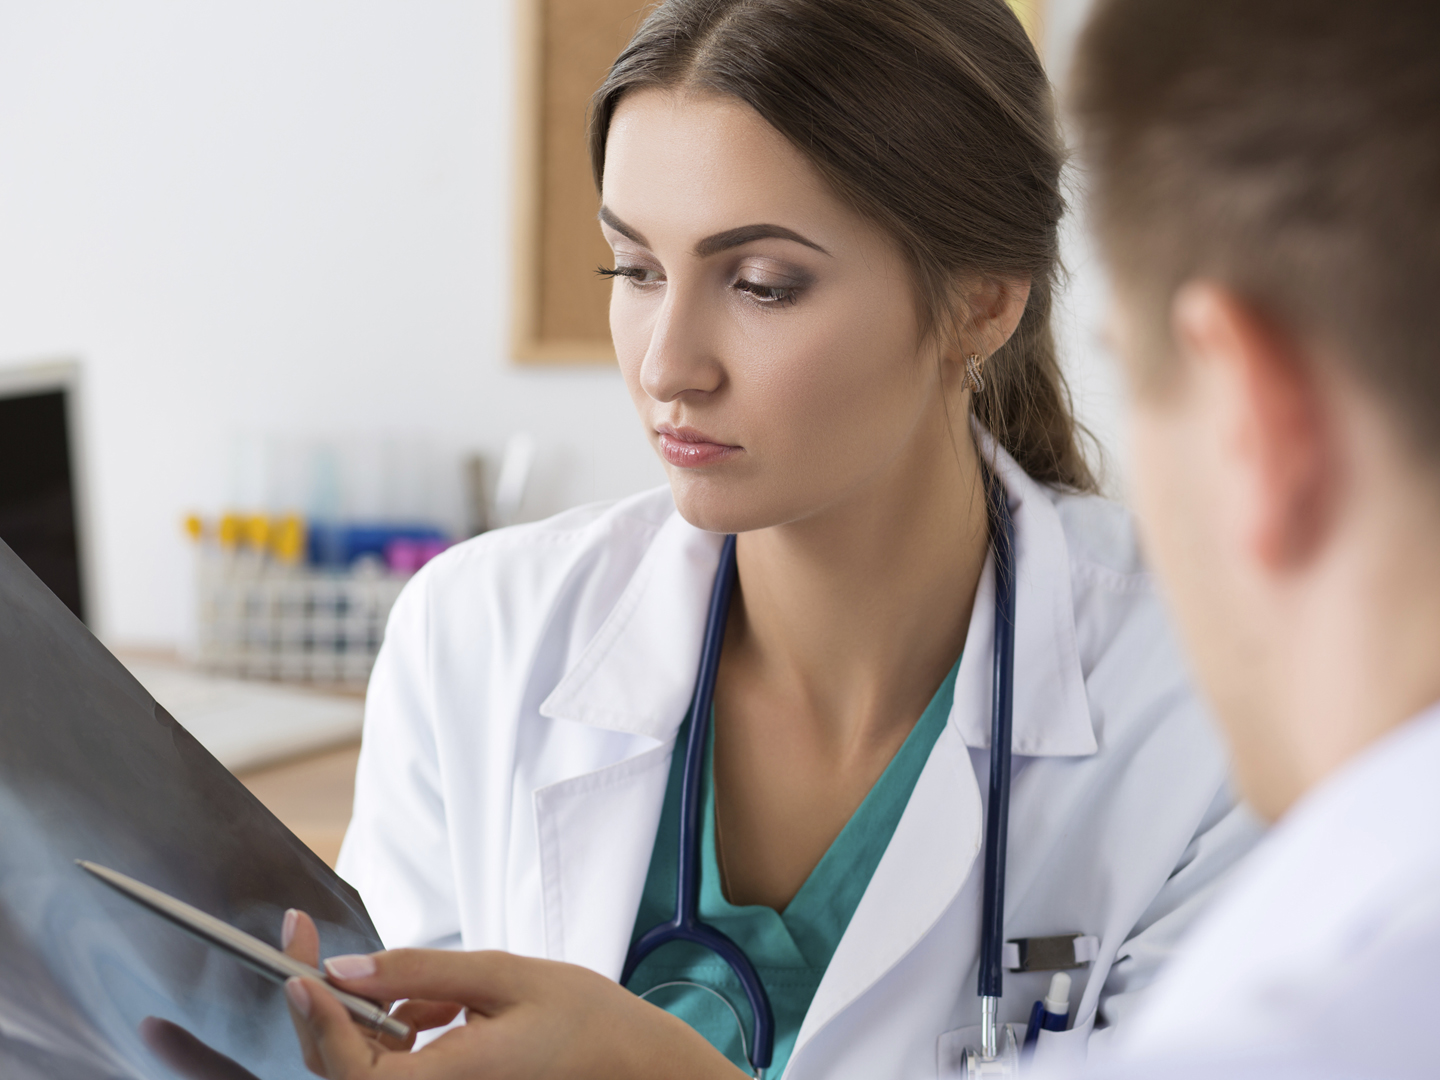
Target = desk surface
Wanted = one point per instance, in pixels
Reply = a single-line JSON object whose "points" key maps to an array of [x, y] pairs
{"points": [[249, 724], [312, 796], [294, 747]]}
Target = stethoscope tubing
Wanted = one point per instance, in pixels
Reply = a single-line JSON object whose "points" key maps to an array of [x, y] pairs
{"points": [[1002, 703], [686, 925], [997, 810]]}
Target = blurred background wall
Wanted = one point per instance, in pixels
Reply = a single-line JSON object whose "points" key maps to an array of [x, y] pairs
{"points": [[261, 224]]}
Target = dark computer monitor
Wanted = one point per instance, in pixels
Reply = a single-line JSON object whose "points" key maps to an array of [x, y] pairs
{"points": [[38, 490]]}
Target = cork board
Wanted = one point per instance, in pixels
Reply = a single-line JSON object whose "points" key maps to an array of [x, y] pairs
{"points": [[561, 311], [562, 308]]}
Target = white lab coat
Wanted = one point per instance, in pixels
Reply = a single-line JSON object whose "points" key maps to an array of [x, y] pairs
{"points": [[523, 711], [1322, 956]]}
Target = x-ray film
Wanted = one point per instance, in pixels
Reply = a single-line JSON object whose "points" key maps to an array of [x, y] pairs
{"points": [[93, 986]]}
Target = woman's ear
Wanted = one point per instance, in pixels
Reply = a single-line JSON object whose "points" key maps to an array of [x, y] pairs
{"points": [[993, 308]]}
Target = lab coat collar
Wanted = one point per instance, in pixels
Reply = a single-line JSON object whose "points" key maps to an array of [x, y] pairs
{"points": [[637, 674], [1051, 707]]}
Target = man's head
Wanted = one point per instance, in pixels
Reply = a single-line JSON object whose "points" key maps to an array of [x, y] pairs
{"points": [[1266, 187]]}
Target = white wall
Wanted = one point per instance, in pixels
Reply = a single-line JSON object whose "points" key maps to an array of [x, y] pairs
{"points": [[276, 216], [291, 217], [1082, 310]]}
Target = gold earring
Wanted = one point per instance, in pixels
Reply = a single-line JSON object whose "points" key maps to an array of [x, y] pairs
{"points": [[973, 377]]}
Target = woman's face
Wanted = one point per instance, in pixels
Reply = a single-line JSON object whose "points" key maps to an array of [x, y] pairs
{"points": [[769, 335]]}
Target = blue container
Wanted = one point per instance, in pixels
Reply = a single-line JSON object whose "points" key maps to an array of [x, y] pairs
{"points": [[337, 546]]}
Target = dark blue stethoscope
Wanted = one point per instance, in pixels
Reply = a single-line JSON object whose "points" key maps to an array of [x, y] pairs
{"points": [[686, 925]]}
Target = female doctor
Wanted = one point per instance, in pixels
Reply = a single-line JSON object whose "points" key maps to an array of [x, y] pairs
{"points": [[834, 229]]}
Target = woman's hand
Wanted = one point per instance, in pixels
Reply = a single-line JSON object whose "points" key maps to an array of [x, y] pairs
{"points": [[524, 1018]]}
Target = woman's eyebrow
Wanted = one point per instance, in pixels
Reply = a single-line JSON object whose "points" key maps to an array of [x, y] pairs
{"points": [[745, 233], [619, 226], [721, 241]]}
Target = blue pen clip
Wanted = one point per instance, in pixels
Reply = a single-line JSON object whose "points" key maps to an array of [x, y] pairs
{"points": [[1052, 1013]]}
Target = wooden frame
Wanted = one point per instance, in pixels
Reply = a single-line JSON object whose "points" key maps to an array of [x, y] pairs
{"points": [[560, 307]]}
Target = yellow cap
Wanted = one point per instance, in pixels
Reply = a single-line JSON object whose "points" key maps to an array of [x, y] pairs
{"points": [[257, 531], [194, 526], [288, 538], [230, 526]]}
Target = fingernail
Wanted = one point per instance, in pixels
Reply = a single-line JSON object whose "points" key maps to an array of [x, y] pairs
{"points": [[299, 996], [358, 966], [287, 927]]}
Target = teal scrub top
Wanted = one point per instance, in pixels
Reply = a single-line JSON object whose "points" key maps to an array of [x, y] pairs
{"points": [[790, 949]]}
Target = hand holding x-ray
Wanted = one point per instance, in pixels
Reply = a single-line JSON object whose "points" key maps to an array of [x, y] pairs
{"points": [[523, 1018]]}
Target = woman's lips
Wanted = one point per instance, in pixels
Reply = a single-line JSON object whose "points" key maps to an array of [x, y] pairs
{"points": [[687, 448]]}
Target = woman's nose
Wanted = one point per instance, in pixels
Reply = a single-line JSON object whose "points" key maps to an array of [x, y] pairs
{"points": [[681, 357]]}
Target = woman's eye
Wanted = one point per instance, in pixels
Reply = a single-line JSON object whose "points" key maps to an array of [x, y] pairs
{"points": [[638, 275], [767, 294]]}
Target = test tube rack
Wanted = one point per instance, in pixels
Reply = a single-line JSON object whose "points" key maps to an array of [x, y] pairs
{"points": [[263, 619]]}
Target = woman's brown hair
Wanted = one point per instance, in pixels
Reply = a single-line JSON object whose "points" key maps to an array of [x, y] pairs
{"points": [[933, 118]]}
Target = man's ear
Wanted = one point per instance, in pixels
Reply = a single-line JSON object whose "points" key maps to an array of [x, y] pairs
{"points": [[1264, 395], [993, 308]]}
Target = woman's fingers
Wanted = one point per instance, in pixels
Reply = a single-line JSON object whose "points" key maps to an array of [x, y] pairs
{"points": [[299, 938], [340, 1051], [424, 1015], [484, 981], [301, 941]]}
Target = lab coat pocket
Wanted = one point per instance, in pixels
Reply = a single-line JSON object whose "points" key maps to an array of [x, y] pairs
{"points": [[1061, 1052]]}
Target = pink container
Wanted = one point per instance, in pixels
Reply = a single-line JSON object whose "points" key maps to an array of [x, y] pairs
{"points": [[406, 556]]}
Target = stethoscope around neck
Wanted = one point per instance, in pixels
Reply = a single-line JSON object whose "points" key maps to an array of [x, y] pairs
{"points": [[686, 924]]}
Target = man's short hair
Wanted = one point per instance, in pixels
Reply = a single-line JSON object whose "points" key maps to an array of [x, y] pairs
{"points": [[1289, 149]]}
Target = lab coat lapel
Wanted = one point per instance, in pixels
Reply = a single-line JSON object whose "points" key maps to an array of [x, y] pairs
{"points": [[925, 866], [596, 833], [636, 675]]}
